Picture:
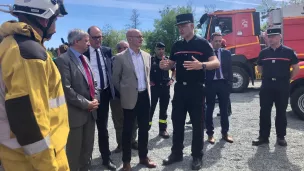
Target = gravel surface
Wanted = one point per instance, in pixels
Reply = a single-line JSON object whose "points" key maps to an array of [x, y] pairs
{"points": [[241, 155]]}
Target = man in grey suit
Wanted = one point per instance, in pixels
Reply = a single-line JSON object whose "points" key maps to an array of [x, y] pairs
{"points": [[81, 96], [117, 112], [131, 77]]}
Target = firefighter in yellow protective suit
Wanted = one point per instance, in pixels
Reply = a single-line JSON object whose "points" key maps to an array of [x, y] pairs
{"points": [[33, 113]]}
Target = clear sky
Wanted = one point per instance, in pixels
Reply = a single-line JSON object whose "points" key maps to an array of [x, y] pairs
{"points": [[116, 13]]}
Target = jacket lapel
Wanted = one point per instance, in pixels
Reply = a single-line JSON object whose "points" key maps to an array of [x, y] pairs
{"points": [[78, 64], [145, 61]]}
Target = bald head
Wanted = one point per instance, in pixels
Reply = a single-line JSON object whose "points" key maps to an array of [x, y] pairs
{"points": [[134, 38], [121, 46], [132, 32], [95, 36]]}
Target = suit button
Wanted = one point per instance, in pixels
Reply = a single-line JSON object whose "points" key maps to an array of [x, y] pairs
{"points": [[136, 79], [136, 88]]}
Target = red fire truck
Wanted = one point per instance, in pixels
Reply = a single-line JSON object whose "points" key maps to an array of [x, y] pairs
{"points": [[242, 31]]}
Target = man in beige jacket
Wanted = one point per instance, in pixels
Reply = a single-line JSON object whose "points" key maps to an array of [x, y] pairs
{"points": [[131, 72]]}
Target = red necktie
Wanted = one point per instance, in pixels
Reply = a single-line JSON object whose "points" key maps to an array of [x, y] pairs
{"points": [[86, 68]]}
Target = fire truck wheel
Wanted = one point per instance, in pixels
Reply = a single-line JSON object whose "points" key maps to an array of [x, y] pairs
{"points": [[240, 79], [297, 102]]}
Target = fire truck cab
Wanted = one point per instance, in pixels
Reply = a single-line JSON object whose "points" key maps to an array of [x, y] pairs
{"points": [[242, 32], [244, 38]]}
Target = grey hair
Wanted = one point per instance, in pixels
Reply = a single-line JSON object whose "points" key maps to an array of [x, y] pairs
{"points": [[76, 35], [118, 44]]}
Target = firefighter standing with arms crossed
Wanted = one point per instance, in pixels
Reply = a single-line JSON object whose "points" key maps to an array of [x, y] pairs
{"points": [[34, 123], [160, 88], [192, 56], [274, 63]]}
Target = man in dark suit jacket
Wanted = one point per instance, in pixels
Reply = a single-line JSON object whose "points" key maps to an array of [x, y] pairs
{"points": [[82, 100], [219, 83], [101, 62]]}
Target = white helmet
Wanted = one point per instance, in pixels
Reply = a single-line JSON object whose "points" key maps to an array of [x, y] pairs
{"points": [[40, 8]]}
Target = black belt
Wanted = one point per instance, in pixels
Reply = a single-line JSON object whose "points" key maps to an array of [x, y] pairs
{"points": [[102, 90], [275, 79], [189, 83], [161, 83]]}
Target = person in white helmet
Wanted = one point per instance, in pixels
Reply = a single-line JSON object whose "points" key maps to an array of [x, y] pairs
{"points": [[33, 113]]}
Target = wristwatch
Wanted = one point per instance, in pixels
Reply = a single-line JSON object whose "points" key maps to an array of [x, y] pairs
{"points": [[204, 66]]}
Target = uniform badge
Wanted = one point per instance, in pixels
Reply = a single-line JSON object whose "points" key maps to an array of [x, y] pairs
{"points": [[273, 61]]}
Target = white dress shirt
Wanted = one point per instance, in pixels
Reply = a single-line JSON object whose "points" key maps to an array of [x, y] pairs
{"points": [[139, 69], [95, 69]]}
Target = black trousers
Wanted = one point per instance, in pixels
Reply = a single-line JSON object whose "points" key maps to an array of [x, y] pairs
{"points": [[161, 93], [188, 98], [229, 106], [276, 92], [141, 112], [221, 89], [102, 124]]}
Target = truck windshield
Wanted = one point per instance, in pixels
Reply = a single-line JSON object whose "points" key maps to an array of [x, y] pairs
{"points": [[204, 28]]}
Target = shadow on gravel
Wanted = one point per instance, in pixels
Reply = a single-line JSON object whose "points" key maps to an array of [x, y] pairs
{"points": [[213, 155], [264, 159], [183, 165], [294, 122], [159, 143]]}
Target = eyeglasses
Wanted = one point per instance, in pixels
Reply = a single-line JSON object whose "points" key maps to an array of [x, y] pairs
{"points": [[138, 37], [96, 37]]}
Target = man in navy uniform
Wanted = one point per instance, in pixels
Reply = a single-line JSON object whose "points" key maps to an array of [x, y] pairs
{"points": [[160, 88], [192, 56], [274, 63], [219, 83]]}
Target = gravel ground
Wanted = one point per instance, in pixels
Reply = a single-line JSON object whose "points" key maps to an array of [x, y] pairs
{"points": [[241, 155]]}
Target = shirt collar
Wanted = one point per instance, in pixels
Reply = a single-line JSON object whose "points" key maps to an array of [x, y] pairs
{"points": [[194, 37], [133, 53], [77, 54], [92, 50], [218, 50], [279, 48]]}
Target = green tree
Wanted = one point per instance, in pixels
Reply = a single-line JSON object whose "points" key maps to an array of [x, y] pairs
{"points": [[50, 53], [264, 26], [134, 20], [165, 29], [266, 6], [111, 37]]}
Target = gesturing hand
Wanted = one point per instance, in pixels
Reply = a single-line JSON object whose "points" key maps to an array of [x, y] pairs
{"points": [[164, 63], [193, 65]]}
